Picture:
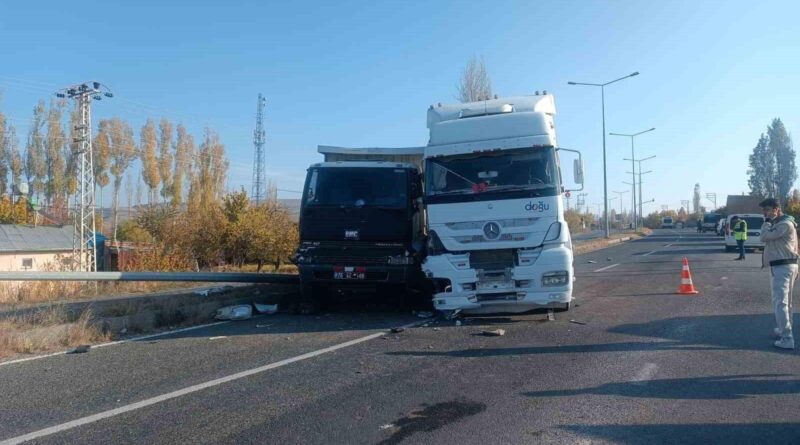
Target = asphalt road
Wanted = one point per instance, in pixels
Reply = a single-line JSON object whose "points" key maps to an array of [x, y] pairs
{"points": [[632, 363]]}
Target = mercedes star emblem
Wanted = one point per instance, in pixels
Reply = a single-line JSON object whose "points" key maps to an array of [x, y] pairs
{"points": [[491, 230]]}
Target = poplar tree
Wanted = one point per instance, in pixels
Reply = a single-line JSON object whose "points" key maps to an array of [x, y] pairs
{"points": [[15, 158], [101, 156], [5, 143], [165, 157], [474, 84], [147, 146], [780, 143], [35, 166], [184, 148], [123, 151], [54, 153]]}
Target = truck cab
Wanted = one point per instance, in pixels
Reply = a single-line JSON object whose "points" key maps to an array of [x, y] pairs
{"points": [[667, 223], [497, 237], [361, 227]]}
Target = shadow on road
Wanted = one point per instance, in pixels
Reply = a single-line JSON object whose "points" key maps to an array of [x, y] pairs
{"points": [[705, 433], [698, 388]]}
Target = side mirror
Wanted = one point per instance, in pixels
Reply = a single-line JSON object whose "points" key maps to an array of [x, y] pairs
{"points": [[419, 202], [578, 171]]}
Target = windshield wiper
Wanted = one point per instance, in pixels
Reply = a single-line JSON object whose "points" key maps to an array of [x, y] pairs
{"points": [[506, 188], [453, 192]]}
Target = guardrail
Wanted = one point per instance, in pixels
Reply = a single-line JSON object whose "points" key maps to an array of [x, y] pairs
{"points": [[212, 277]]}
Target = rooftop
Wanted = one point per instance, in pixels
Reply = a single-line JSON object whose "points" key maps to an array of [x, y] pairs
{"points": [[23, 238]]}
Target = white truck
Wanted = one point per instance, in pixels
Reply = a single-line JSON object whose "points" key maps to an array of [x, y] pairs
{"points": [[497, 237]]}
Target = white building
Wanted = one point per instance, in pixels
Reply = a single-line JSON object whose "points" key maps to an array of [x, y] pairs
{"points": [[28, 248]]}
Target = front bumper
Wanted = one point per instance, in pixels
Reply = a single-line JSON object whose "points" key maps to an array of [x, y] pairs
{"points": [[520, 289]]}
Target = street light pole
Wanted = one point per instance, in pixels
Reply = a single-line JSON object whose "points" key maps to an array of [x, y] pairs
{"points": [[603, 111], [633, 167], [639, 161]]}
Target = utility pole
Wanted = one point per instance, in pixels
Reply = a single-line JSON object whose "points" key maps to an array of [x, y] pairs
{"points": [[84, 235], [713, 198], [259, 135], [582, 201], [639, 162], [633, 168]]}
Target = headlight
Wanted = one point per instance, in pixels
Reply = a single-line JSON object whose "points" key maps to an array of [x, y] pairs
{"points": [[435, 246], [560, 278]]}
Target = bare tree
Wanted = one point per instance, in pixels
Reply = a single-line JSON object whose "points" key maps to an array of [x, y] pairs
{"points": [[475, 84]]}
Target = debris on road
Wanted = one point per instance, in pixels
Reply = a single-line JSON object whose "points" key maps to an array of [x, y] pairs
{"points": [[495, 333], [80, 349], [387, 426], [458, 322], [608, 259], [424, 314], [578, 322], [219, 337], [592, 262], [266, 308], [397, 330], [240, 312], [202, 293], [551, 316], [437, 329]]}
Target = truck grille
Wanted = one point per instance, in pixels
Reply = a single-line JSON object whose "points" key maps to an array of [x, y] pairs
{"points": [[491, 259]]}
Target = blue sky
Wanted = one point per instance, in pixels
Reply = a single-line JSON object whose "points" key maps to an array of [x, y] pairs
{"points": [[713, 74]]}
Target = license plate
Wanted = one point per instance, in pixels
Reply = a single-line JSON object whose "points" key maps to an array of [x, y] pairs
{"points": [[349, 273]]}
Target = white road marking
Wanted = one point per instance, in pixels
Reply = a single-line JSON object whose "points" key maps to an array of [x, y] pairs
{"points": [[118, 342], [189, 390], [646, 373], [607, 267], [650, 253]]}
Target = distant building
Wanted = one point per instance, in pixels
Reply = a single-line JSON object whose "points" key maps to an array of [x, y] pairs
{"points": [[28, 248], [742, 204]]}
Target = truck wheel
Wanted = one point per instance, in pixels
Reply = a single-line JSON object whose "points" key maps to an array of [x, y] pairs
{"points": [[311, 298]]}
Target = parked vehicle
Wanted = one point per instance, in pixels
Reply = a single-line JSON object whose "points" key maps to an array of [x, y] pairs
{"points": [[667, 223], [721, 226], [754, 222], [361, 223], [497, 239], [710, 221]]}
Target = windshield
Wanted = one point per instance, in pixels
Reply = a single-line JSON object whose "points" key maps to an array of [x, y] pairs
{"points": [[753, 222], [357, 187], [522, 169]]}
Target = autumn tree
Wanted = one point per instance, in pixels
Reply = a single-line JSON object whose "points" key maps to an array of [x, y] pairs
{"points": [[147, 146], [5, 144], [101, 156], [35, 164], [165, 157], [15, 162], [54, 153], [208, 179], [123, 151], [474, 84], [72, 156], [184, 150]]}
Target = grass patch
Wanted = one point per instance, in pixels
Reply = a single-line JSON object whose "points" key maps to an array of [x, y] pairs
{"points": [[46, 331]]}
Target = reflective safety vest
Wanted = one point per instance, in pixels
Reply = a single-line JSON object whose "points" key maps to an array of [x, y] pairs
{"points": [[740, 230]]}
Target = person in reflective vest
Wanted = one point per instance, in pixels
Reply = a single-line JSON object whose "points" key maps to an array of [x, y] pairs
{"points": [[739, 234]]}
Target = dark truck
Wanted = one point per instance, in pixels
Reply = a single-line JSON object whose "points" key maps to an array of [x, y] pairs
{"points": [[362, 227]]}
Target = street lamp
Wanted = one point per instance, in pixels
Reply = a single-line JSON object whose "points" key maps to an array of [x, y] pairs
{"points": [[633, 175], [639, 161], [603, 108]]}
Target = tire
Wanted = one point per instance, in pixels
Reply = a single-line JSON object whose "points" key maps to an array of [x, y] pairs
{"points": [[312, 298]]}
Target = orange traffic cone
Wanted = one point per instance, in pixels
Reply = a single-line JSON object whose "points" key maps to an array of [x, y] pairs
{"points": [[687, 287]]}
